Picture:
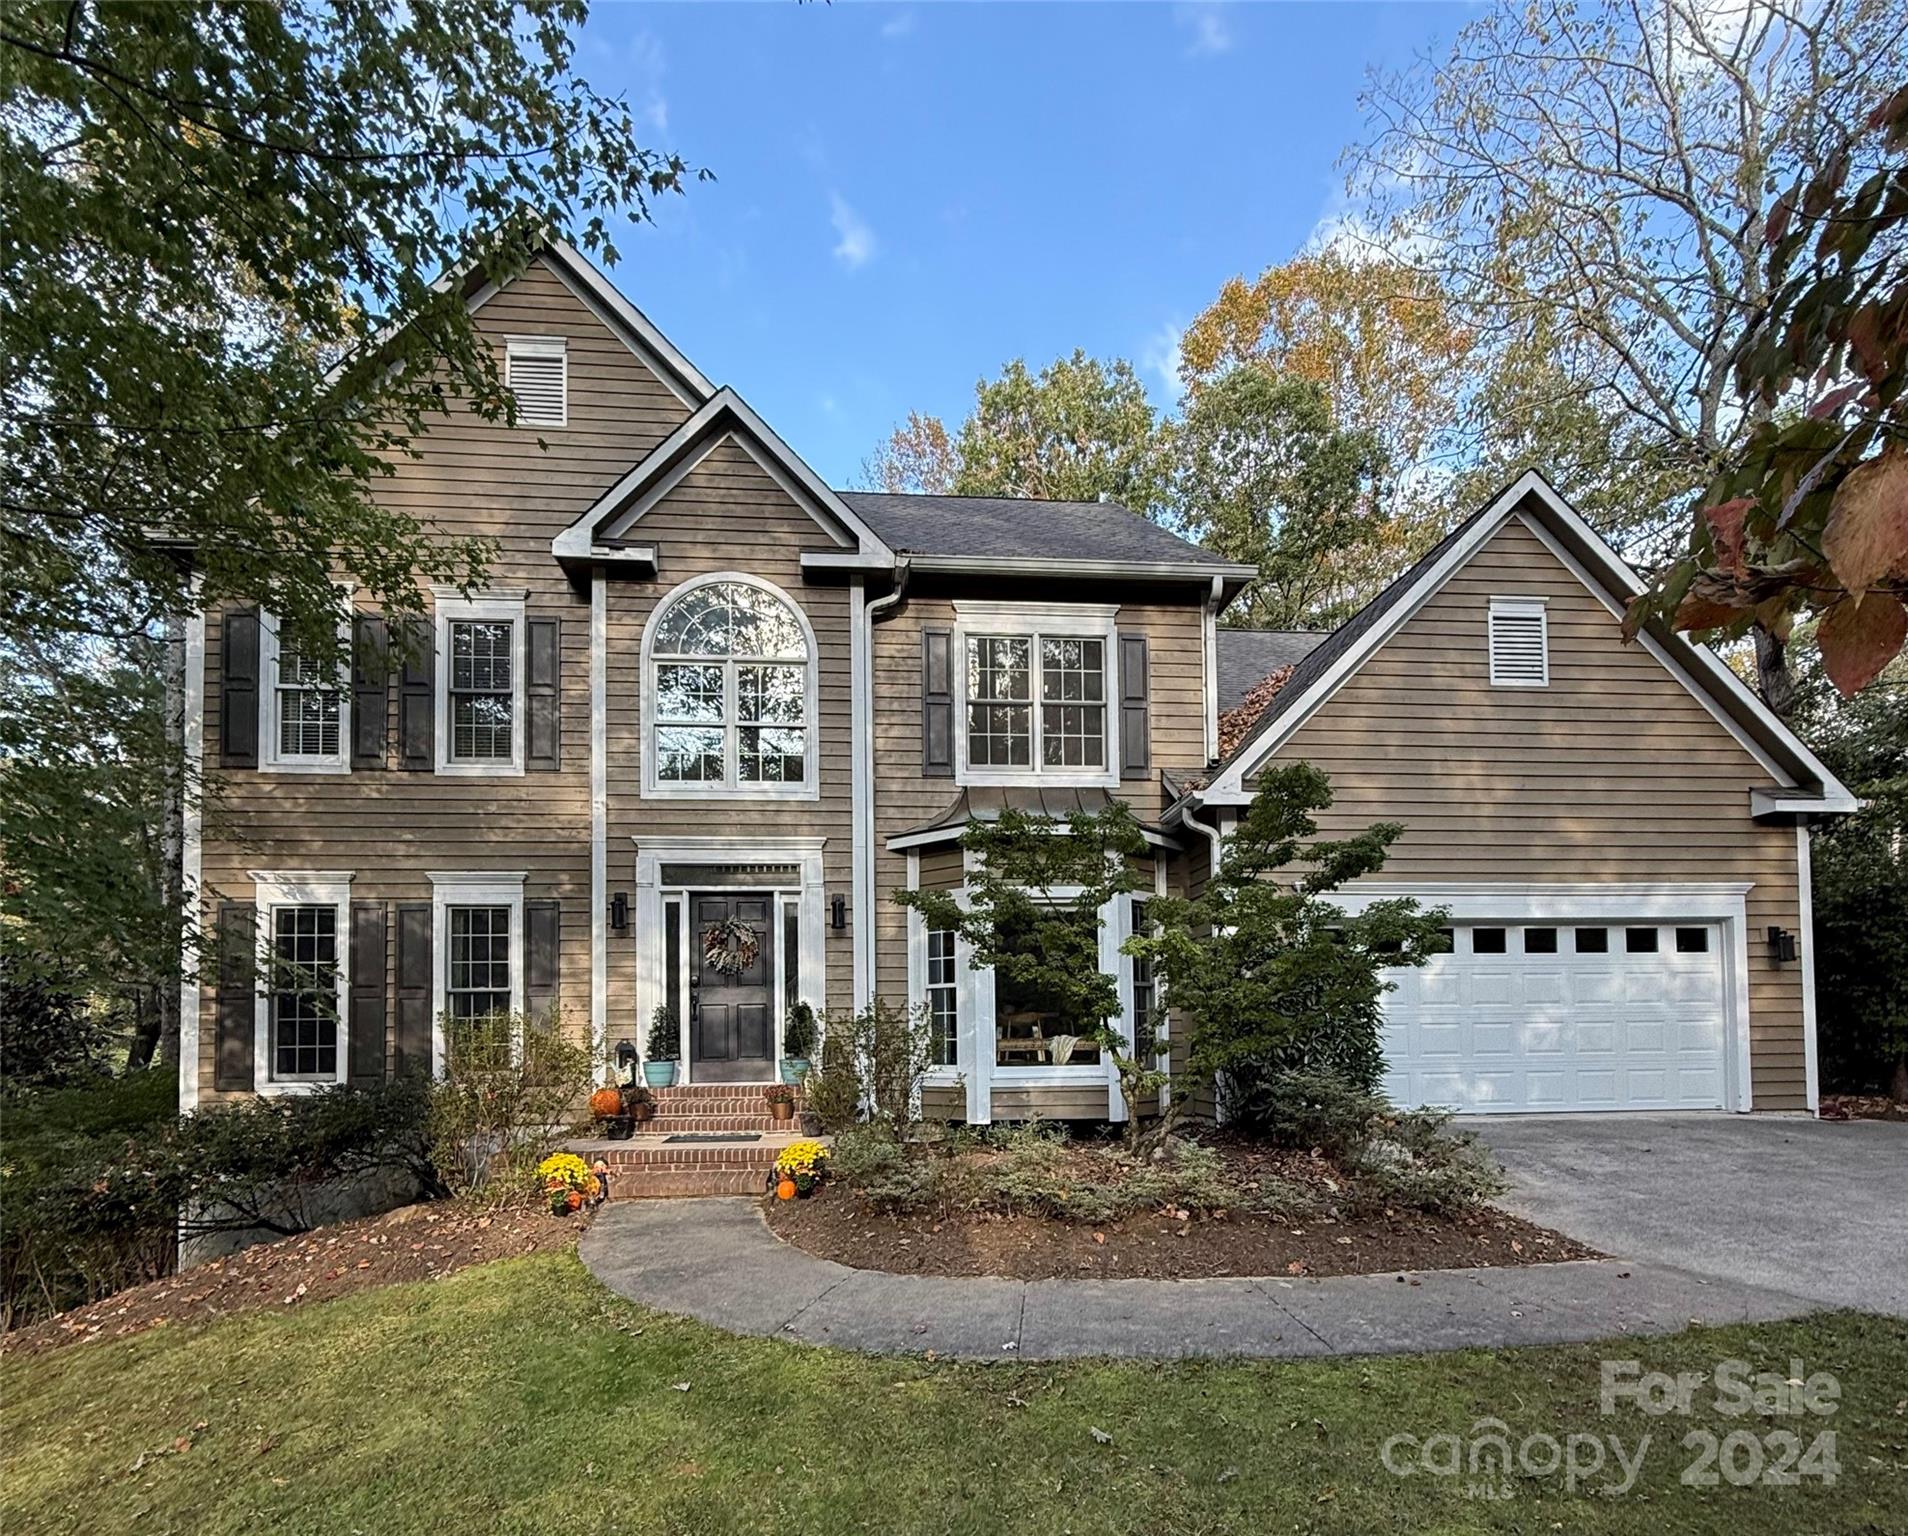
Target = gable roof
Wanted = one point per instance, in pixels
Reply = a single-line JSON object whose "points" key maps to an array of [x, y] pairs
{"points": [[1806, 784], [1248, 656], [995, 526], [599, 535]]}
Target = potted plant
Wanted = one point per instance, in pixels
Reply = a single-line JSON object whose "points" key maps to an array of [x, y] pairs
{"points": [[781, 1102], [639, 1103], [665, 1048], [606, 1108], [800, 1167], [798, 1043]]}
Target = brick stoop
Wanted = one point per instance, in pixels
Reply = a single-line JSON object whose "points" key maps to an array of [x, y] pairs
{"points": [[720, 1107], [649, 1166]]}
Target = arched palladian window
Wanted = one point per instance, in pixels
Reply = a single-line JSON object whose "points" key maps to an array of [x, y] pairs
{"points": [[730, 668]]}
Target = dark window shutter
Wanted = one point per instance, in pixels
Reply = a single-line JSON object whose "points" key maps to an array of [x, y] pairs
{"points": [[413, 1052], [367, 992], [238, 690], [542, 697], [417, 700], [238, 997], [542, 941], [1135, 724], [370, 692], [937, 703]]}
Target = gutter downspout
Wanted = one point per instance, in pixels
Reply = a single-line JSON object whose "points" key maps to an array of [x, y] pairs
{"points": [[1209, 642], [876, 612]]}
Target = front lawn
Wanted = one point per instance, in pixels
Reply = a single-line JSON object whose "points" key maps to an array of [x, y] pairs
{"points": [[519, 1396]]}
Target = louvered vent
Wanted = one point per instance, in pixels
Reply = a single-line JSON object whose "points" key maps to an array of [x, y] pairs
{"points": [[535, 371], [1520, 650]]}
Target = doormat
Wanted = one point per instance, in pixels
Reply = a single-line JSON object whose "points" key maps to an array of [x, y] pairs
{"points": [[713, 1136]]}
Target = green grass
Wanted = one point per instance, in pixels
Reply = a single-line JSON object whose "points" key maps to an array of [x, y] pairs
{"points": [[521, 1397]]}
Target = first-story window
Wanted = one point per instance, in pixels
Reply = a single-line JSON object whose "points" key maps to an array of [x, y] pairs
{"points": [[1146, 1023], [479, 979], [942, 997], [304, 993], [1032, 1027]]}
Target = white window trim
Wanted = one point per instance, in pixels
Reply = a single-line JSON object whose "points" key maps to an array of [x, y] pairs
{"points": [[1519, 608], [731, 787], [540, 346], [486, 607], [298, 888], [1038, 621], [270, 760], [470, 888]]}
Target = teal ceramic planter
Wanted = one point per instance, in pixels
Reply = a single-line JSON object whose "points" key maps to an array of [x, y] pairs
{"points": [[794, 1069], [659, 1074]]}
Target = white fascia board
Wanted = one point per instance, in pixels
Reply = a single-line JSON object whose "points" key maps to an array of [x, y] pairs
{"points": [[1044, 565], [1517, 901], [1771, 802], [648, 482], [1714, 676], [629, 322]]}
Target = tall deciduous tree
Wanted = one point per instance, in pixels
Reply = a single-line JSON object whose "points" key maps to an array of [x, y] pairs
{"points": [[1377, 337], [1607, 172], [917, 457], [223, 225], [1267, 476]]}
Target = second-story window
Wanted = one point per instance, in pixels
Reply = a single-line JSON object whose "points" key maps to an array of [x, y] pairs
{"points": [[304, 724], [480, 687], [730, 693], [1035, 694]]}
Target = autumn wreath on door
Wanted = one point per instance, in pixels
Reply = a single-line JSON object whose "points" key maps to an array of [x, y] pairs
{"points": [[729, 947]]}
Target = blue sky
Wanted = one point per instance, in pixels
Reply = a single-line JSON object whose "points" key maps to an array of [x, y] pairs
{"points": [[910, 195]]}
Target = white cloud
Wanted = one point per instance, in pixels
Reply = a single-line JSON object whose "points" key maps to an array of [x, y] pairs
{"points": [[1207, 23], [1160, 357], [646, 73], [856, 246]]}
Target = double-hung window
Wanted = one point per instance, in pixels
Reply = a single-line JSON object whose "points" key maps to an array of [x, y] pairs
{"points": [[478, 953], [304, 705], [731, 693], [480, 694], [300, 1040], [479, 979], [943, 997], [1036, 680], [1146, 1023]]}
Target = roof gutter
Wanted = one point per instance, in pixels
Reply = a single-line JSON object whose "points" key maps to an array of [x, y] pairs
{"points": [[1030, 565]]}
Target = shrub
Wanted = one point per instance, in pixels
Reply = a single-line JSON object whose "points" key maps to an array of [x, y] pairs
{"points": [[1395, 1157], [833, 1089], [511, 1090], [798, 1033], [665, 1036], [50, 1036], [891, 1175]]}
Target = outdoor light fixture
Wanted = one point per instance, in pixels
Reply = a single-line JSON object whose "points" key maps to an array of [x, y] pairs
{"points": [[1781, 946], [619, 911], [625, 1052], [838, 913]]}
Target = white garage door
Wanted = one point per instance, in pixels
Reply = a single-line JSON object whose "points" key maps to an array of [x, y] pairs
{"points": [[1599, 1016]]}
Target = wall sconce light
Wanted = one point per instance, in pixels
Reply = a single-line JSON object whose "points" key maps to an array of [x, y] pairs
{"points": [[619, 911], [625, 1052], [838, 913], [1781, 946]]}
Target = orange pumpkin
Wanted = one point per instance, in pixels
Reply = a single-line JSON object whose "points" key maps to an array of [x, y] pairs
{"points": [[606, 1103], [785, 1190]]}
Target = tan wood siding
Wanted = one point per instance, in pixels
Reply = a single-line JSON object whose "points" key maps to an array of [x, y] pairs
{"points": [[1612, 773], [390, 827], [727, 515]]}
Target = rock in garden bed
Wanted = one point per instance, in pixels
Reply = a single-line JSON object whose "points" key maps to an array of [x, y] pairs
{"points": [[1336, 1235], [414, 1242]]}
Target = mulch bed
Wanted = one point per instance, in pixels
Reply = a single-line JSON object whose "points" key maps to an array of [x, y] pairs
{"points": [[1862, 1106], [414, 1242], [1167, 1245]]}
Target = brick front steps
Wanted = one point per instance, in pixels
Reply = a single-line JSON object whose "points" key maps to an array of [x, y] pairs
{"points": [[650, 1166]]}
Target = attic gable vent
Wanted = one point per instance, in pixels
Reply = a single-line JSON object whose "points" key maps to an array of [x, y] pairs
{"points": [[1520, 643], [536, 372]]}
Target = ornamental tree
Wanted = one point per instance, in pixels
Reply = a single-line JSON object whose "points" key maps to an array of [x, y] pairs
{"points": [[1266, 970]]}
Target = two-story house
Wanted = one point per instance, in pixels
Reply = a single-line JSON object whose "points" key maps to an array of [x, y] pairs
{"points": [[703, 686]]}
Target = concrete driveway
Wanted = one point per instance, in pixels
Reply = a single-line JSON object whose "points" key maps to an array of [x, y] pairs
{"points": [[1816, 1209]]}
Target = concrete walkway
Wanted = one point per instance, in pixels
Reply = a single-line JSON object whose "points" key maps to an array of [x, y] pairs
{"points": [[717, 1261]]}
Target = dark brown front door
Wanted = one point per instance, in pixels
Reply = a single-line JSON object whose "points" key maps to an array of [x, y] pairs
{"points": [[730, 1017]]}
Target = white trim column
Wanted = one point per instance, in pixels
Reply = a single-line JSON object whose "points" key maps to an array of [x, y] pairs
{"points": [[1805, 940], [599, 823], [861, 784], [191, 853], [1116, 927]]}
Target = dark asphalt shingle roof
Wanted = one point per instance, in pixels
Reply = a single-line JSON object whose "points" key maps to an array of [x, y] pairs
{"points": [[1246, 655], [1007, 527]]}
